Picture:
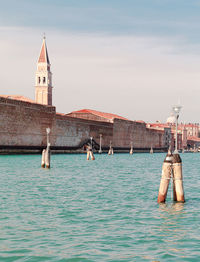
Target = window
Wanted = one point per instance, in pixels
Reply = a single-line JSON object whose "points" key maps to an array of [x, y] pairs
{"points": [[44, 80], [39, 79]]}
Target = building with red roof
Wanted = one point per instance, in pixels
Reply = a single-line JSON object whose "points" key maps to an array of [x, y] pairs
{"points": [[18, 97], [90, 114]]}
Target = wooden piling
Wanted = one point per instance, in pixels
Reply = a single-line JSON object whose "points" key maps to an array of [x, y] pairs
{"points": [[43, 158], [110, 151], [47, 156], [177, 178], [151, 150], [92, 155], [88, 155], [166, 175], [131, 149]]}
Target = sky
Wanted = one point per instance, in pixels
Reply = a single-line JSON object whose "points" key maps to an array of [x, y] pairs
{"points": [[134, 58]]}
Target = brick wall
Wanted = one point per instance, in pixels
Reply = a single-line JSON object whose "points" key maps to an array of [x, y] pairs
{"points": [[142, 137], [24, 124]]}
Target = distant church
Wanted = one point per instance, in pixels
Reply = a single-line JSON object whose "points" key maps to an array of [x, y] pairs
{"points": [[43, 78]]}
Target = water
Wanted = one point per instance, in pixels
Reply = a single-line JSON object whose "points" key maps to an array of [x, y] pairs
{"points": [[102, 210]]}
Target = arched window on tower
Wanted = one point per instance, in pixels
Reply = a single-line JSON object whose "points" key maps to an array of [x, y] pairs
{"points": [[44, 80], [39, 80]]}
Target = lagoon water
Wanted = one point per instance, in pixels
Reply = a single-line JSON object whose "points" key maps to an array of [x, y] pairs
{"points": [[102, 210]]}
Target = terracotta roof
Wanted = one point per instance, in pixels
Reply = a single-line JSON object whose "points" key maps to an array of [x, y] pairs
{"points": [[194, 138], [44, 58], [158, 125], [60, 114], [17, 97], [108, 116], [189, 125], [140, 121]]}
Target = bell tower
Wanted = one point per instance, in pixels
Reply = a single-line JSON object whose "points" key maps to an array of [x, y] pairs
{"points": [[43, 78]]}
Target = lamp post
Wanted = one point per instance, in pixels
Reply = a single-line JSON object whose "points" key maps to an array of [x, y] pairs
{"points": [[100, 150], [176, 111]]}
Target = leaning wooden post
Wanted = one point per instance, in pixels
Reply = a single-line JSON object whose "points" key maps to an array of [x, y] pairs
{"points": [[43, 158], [47, 152], [92, 155], [177, 178], [177, 164], [100, 149], [90, 151], [166, 175], [110, 149], [151, 150], [131, 150], [47, 156]]}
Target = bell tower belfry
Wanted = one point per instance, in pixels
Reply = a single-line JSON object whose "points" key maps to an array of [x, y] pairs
{"points": [[43, 78]]}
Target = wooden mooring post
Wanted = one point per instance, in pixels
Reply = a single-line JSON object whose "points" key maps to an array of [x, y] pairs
{"points": [[46, 152], [90, 153], [172, 168]]}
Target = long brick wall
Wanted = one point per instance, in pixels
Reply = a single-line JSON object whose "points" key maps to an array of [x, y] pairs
{"points": [[23, 125], [126, 131]]}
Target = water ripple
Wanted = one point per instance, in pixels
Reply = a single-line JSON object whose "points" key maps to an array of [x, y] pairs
{"points": [[102, 210]]}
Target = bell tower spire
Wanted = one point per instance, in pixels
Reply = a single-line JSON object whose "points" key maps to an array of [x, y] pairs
{"points": [[43, 77]]}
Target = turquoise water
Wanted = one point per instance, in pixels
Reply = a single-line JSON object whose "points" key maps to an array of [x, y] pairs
{"points": [[102, 210]]}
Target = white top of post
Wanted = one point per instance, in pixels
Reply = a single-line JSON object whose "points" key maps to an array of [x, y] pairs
{"points": [[48, 130]]}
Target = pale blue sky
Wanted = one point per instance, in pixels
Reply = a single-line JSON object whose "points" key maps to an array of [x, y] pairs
{"points": [[148, 17], [120, 54]]}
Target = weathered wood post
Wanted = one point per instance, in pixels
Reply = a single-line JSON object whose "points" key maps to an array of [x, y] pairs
{"points": [[88, 153], [166, 175], [100, 150], [43, 158], [47, 152], [47, 156], [131, 150], [151, 150], [172, 166], [177, 164], [110, 152], [177, 178], [90, 150]]}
